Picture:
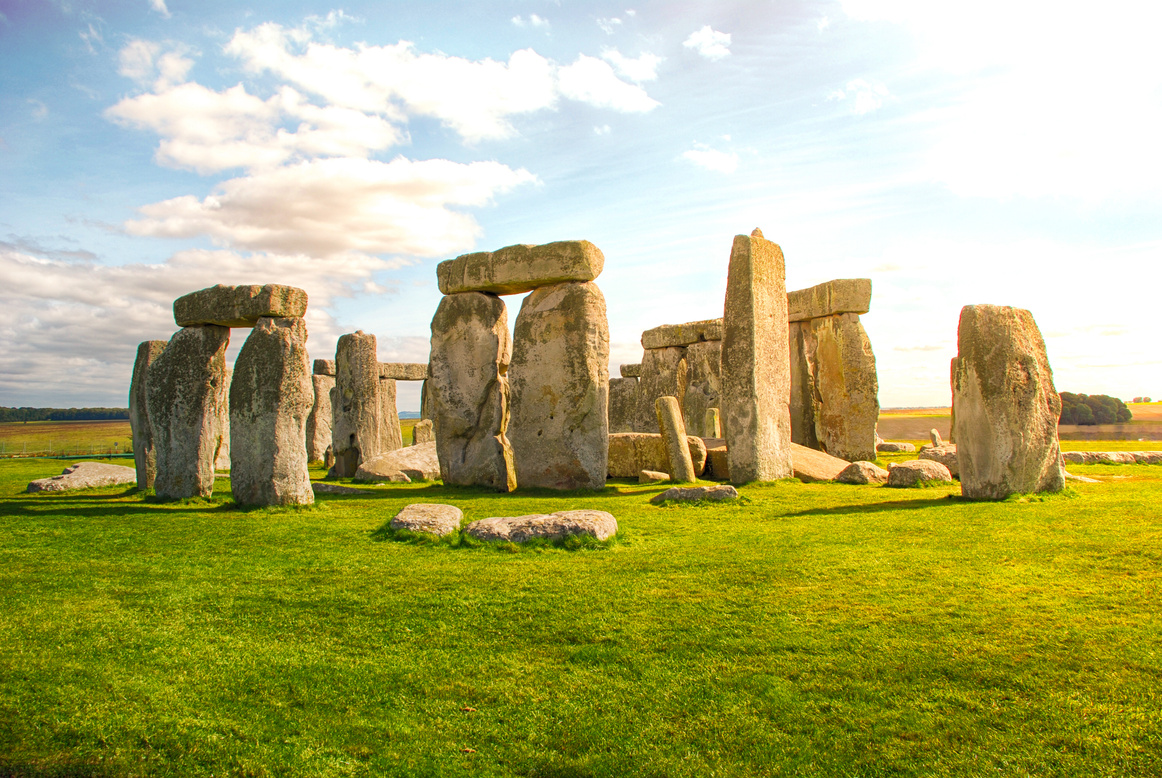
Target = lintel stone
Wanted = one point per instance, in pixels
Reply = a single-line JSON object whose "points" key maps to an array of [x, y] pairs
{"points": [[682, 334], [239, 306], [521, 268], [843, 295], [404, 371], [631, 371]]}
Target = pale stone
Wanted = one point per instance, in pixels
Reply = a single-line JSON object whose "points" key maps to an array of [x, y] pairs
{"points": [[652, 477], [184, 392], [622, 404], [934, 437], [521, 268], [422, 433], [319, 419], [390, 434], [1080, 479], [356, 434], [673, 431], [862, 473], [711, 424], [632, 452], [430, 518], [663, 374], [324, 488], [843, 295], [703, 386], [756, 384], [271, 395], [717, 462], [324, 367], [85, 475], [239, 306], [404, 371], [468, 391], [917, 471], [810, 465], [945, 454], [803, 400], [895, 447], [845, 389], [559, 379], [519, 529], [144, 456], [682, 334], [1006, 406], [418, 463], [631, 371], [222, 440], [696, 494]]}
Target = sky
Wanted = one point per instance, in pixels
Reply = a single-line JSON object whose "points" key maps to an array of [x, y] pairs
{"points": [[986, 152]]}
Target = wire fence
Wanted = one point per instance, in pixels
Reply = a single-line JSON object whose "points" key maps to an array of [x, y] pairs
{"points": [[62, 450]]}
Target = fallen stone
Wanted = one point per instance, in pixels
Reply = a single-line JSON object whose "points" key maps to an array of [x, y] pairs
{"points": [[894, 447], [652, 477], [843, 295], [85, 475], [324, 488], [521, 268], [673, 431], [417, 463], [239, 306], [1111, 457], [324, 367], [1080, 479], [862, 473], [916, 472], [631, 371], [319, 419], [945, 455], [696, 494], [703, 386], [632, 452], [682, 334], [404, 371], [810, 465], [664, 374], [422, 433], [519, 529], [144, 456], [356, 434], [622, 404], [430, 518]]}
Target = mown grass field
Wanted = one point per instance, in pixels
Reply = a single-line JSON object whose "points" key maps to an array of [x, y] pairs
{"points": [[810, 630]]}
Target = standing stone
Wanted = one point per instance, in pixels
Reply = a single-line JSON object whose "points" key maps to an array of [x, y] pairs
{"points": [[271, 395], [468, 391], [712, 424], [1006, 406], [425, 401], [846, 389], [673, 431], [703, 385], [422, 433], [222, 441], [144, 456], [319, 419], [756, 382], [663, 375], [560, 388], [390, 435], [355, 409], [622, 404], [182, 394], [803, 399]]}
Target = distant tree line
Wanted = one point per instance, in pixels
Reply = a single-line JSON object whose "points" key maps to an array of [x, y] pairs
{"points": [[1089, 409], [62, 414]]}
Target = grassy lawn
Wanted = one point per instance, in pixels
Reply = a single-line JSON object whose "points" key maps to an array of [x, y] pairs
{"points": [[811, 630]]}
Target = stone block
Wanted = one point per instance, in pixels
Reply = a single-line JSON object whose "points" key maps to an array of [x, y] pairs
{"points": [[622, 404], [356, 434], [843, 295], [430, 518], [673, 431], [520, 529], [239, 306], [631, 371], [144, 456], [324, 367], [521, 268], [404, 371], [682, 334], [810, 465], [632, 452], [664, 374], [422, 433], [703, 386], [319, 419]]}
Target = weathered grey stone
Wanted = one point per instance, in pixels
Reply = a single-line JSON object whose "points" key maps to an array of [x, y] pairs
{"points": [[222, 441], [319, 487], [622, 404], [404, 371], [652, 477], [703, 386], [144, 456], [1006, 406], [803, 400], [521, 268], [632, 452], [239, 306], [319, 419], [324, 367], [682, 334], [519, 529], [673, 431], [422, 433], [270, 397], [917, 471], [845, 388], [711, 424], [843, 295], [862, 473], [809, 465], [425, 402], [894, 447], [717, 462], [756, 383], [696, 494], [85, 475], [944, 454], [430, 518], [418, 463], [559, 380], [934, 437], [631, 371], [183, 396], [468, 391], [356, 434], [663, 375], [390, 434], [1112, 457]]}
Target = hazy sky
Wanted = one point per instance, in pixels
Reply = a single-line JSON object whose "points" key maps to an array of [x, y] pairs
{"points": [[984, 152]]}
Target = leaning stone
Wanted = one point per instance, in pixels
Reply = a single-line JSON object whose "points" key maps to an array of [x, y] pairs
{"points": [[696, 494], [945, 455], [404, 371], [756, 384], [845, 388], [559, 379], [622, 404], [631, 371], [934, 437], [468, 391], [917, 471], [270, 398], [430, 518], [144, 456], [184, 392], [895, 447], [663, 374], [319, 419], [422, 433], [239, 306], [418, 463], [519, 529], [843, 295], [703, 386], [632, 452], [673, 430], [810, 465], [521, 268], [1006, 406], [862, 473], [324, 367], [682, 334], [356, 435], [85, 475], [652, 477]]}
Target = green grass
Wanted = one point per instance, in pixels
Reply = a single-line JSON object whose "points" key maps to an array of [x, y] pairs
{"points": [[814, 629]]}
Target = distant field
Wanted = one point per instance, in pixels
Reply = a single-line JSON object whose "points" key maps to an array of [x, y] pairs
{"points": [[64, 437]]}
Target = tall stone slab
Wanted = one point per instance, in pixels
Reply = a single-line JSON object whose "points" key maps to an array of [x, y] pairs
{"points": [[468, 392], [803, 399], [222, 442], [390, 434], [355, 409], [703, 385], [622, 404], [271, 395], [319, 419], [663, 374], [1006, 406], [144, 455], [756, 382], [673, 431], [560, 388], [183, 397], [845, 387]]}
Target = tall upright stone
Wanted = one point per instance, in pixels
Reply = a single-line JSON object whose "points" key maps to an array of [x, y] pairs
{"points": [[845, 387], [673, 431], [355, 409], [183, 397], [144, 455], [1006, 406], [559, 380], [803, 399], [663, 374], [222, 442], [703, 384], [390, 434], [319, 419], [756, 382], [468, 392], [622, 404], [271, 395]]}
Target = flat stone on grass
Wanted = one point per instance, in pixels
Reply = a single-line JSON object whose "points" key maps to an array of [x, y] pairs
{"points": [[862, 473], [85, 475], [432, 518], [519, 529], [916, 472], [696, 494], [652, 477]]}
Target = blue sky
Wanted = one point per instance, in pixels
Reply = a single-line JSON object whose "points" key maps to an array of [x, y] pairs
{"points": [[998, 152]]}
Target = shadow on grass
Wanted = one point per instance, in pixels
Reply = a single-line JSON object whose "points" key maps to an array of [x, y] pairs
{"points": [[879, 507]]}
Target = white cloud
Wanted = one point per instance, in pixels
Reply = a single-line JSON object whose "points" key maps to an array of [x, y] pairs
{"points": [[603, 129], [865, 96], [712, 159], [533, 21], [709, 43], [609, 25], [637, 69], [159, 6], [146, 63], [590, 80]]}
